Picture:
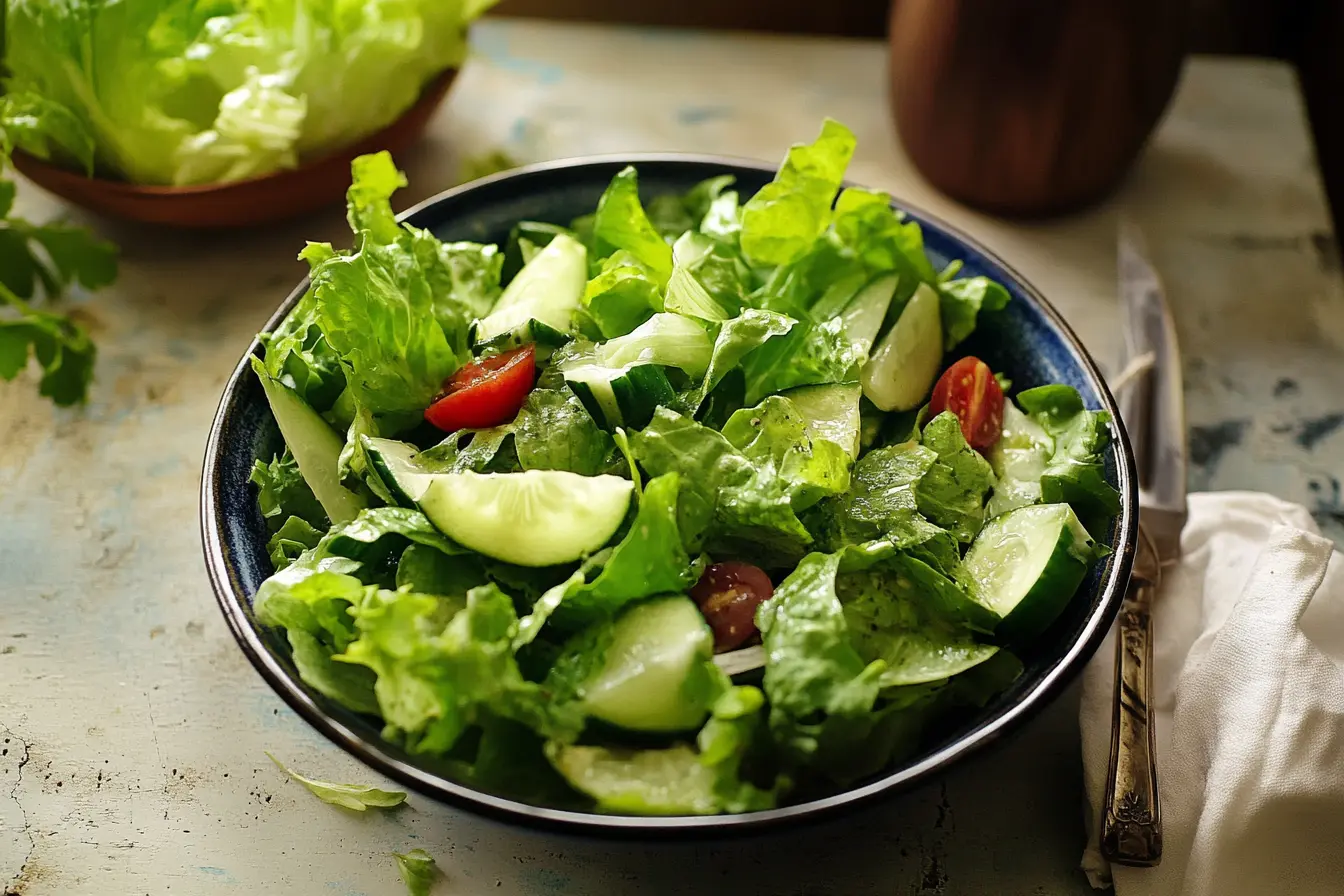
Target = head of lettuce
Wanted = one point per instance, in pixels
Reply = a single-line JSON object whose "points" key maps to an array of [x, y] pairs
{"points": [[206, 91]]}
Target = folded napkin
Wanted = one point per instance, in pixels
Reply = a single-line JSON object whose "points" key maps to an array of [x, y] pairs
{"points": [[1248, 678]]}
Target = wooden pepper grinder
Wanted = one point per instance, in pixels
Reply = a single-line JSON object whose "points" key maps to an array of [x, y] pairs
{"points": [[1031, 107]]}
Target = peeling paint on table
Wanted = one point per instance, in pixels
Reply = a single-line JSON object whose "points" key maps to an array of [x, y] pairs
{"points": [[132, 730]]}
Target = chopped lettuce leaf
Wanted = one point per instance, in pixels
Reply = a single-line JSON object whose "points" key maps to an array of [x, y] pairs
{"points": [[376, 306], [820, 687], [289, 542], [882, 503], [786, 216], [953, 490], [1075, 474], [428, 570], [736, 339], [283, 493], [736, 736], [908, 615], [357, 797], [774, 436], [725, 502], [961, 303], [623, 295], [438, 667], [649, 560], [310, 599], [553, 431], [621, 223], [808, 354], [417, 870]]}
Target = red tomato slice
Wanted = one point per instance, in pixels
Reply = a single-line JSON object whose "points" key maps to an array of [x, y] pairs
{"points": [[728, 595], [969, 390], [485, 393]]}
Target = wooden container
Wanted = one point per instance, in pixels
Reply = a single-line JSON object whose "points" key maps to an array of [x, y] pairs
{"points": [[1031, 107], [243, 203]]}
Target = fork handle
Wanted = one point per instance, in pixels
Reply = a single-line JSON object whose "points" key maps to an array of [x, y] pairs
{"points": [[1131, 822]]}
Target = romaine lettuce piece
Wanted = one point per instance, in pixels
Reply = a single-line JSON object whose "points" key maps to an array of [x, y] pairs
{"points": [[774, 435], [726, 501], [620, 223], [953, 490], [787, 215], [1074, 474]]}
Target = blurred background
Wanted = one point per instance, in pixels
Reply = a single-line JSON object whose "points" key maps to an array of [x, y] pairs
{"points": [[1307, 33]]}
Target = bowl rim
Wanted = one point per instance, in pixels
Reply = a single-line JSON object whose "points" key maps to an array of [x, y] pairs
{"points": [[236, 606]]}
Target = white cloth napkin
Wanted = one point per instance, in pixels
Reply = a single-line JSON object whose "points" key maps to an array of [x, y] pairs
{"points": [[1249, 702]]}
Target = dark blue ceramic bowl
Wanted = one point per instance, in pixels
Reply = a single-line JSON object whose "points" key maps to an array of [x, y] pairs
{"points": [[1028, 341]]}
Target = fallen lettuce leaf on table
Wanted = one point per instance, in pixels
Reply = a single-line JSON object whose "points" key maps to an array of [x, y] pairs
{"points": [[357, 797], [418, 871]]}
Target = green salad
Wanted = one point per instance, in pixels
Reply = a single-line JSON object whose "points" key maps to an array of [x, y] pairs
{"points": [[688, 506]]}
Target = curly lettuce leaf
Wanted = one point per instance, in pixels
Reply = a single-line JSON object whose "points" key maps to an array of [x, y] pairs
{"points": [[623, 295], [376, 306], [736, 339], [821, 689], [882, 504], [438, 667], [787, 215], [808, 354], [283, 493], [185, 93], [961, 304]]}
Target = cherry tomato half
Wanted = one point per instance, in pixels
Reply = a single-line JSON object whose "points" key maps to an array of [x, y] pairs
{"points": [[969, 390], [728, 595], [485, 393]]}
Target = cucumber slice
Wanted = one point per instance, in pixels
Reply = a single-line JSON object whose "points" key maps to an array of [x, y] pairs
{"points": [[621, 396], [315, 445], [533, 518], [653, 659], [543, 336], [838, 296], [902, 370], [864, 315], [671, 781], [549, 289], [831, 412], [1026, 565], [394, 464], [667, 339]]}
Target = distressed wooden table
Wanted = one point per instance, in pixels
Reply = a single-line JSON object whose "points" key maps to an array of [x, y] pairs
{"points": [[132, 730]]}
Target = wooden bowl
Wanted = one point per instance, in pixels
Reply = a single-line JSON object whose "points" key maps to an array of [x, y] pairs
{"points": [[260, 200]]}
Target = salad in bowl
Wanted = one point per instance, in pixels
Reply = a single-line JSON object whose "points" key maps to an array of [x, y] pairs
{"points": [[690, 506]]}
